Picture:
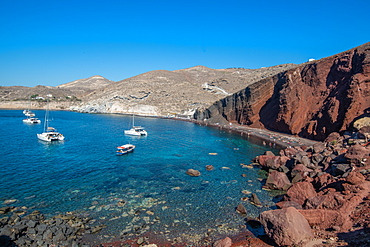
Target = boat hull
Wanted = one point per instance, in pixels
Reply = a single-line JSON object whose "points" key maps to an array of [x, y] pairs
{"points": [[50, 136], [125, 149], [31, 121], [136, 131]]}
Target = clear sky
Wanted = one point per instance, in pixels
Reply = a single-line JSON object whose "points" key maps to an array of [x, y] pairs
{"points": [[51, 42]]}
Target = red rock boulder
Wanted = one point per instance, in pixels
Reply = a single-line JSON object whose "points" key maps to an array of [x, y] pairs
{"points": [[300, 191], [286, 226], [277, 181]]}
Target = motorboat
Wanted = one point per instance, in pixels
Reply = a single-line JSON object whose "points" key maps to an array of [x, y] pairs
{"points": [[136, 131], [32, 120], [125, 149], [50, 135], [28, 113]]}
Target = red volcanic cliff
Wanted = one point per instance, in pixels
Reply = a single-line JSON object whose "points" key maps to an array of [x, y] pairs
{"points": [[311, 100]]}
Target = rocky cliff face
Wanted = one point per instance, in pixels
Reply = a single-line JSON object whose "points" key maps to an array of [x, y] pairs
{"points": [[311, 100]]}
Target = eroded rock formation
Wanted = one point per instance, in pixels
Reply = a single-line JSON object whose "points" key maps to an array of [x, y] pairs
{"points": [[311, 100]]}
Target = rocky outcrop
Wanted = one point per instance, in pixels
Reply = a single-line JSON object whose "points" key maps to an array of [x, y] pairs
{"points": [[311, 100], [330, 185]]}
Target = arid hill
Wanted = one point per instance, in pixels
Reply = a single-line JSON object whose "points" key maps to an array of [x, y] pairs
{"points": [[165, 93], [84, 86], [157, 93], [311, 100]]}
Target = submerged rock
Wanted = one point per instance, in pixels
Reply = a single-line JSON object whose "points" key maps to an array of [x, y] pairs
{"points": [[241, 209], [193, 173], [255, 201]]}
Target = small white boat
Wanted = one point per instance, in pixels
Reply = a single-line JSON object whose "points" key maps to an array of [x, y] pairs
{"points": [[32, 120], [28, 113], [125, 149], [50, 135], [136, 130]]}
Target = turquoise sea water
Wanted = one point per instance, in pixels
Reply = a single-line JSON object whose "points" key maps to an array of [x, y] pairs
{"points": [[145, 191]]}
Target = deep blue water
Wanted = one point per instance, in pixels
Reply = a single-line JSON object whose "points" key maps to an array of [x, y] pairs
{"points": [[83, 174]]}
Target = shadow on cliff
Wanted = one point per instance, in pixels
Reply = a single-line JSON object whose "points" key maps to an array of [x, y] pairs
{"points": [[269, 112]]}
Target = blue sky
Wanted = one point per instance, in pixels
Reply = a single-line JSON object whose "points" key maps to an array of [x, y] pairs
{"points": [[45, 42]]}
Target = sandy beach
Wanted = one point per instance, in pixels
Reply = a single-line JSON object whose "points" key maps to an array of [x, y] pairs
{"points": [[267, 137]]}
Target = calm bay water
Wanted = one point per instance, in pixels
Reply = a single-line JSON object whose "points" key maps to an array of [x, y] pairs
{"points": [[145, 191]]}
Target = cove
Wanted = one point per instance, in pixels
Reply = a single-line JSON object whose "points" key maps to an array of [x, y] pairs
{"points": [[147, 191]]}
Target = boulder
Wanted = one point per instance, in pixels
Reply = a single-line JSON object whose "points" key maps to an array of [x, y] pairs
{"points": [[328, 201], [290, 151], [318, 147], [209, 167], [193, 173], [340, 169], [300, 191], [286, 226], [332, 137], [277, 181], [226, 242], [356, 153], [287, 204], [324, 218], [355, 178], [255, 201], [269, 161], [302, 169], [322, 181], [241, 209], [269, 153]]}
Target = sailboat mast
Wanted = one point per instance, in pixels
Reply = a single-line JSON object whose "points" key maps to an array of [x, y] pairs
{"points": [[46, 117]]}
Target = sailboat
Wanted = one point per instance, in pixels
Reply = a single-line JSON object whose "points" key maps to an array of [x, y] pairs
{"points": [[136, 130], [50, 134]]}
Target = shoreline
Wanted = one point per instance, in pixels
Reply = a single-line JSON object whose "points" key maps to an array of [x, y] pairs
{"points": [[271, 138], [268, 137]]}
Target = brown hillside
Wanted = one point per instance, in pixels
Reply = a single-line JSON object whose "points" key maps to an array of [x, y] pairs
{"points": [[164, 93]]}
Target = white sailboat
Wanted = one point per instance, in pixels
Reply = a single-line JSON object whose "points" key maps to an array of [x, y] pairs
{"points": [[50, 134], [136, 130]]}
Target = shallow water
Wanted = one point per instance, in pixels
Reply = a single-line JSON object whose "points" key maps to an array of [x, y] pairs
{"points": [[145, 191]]}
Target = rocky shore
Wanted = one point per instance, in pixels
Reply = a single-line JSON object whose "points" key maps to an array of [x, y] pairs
{"points": [[19, 227]]}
